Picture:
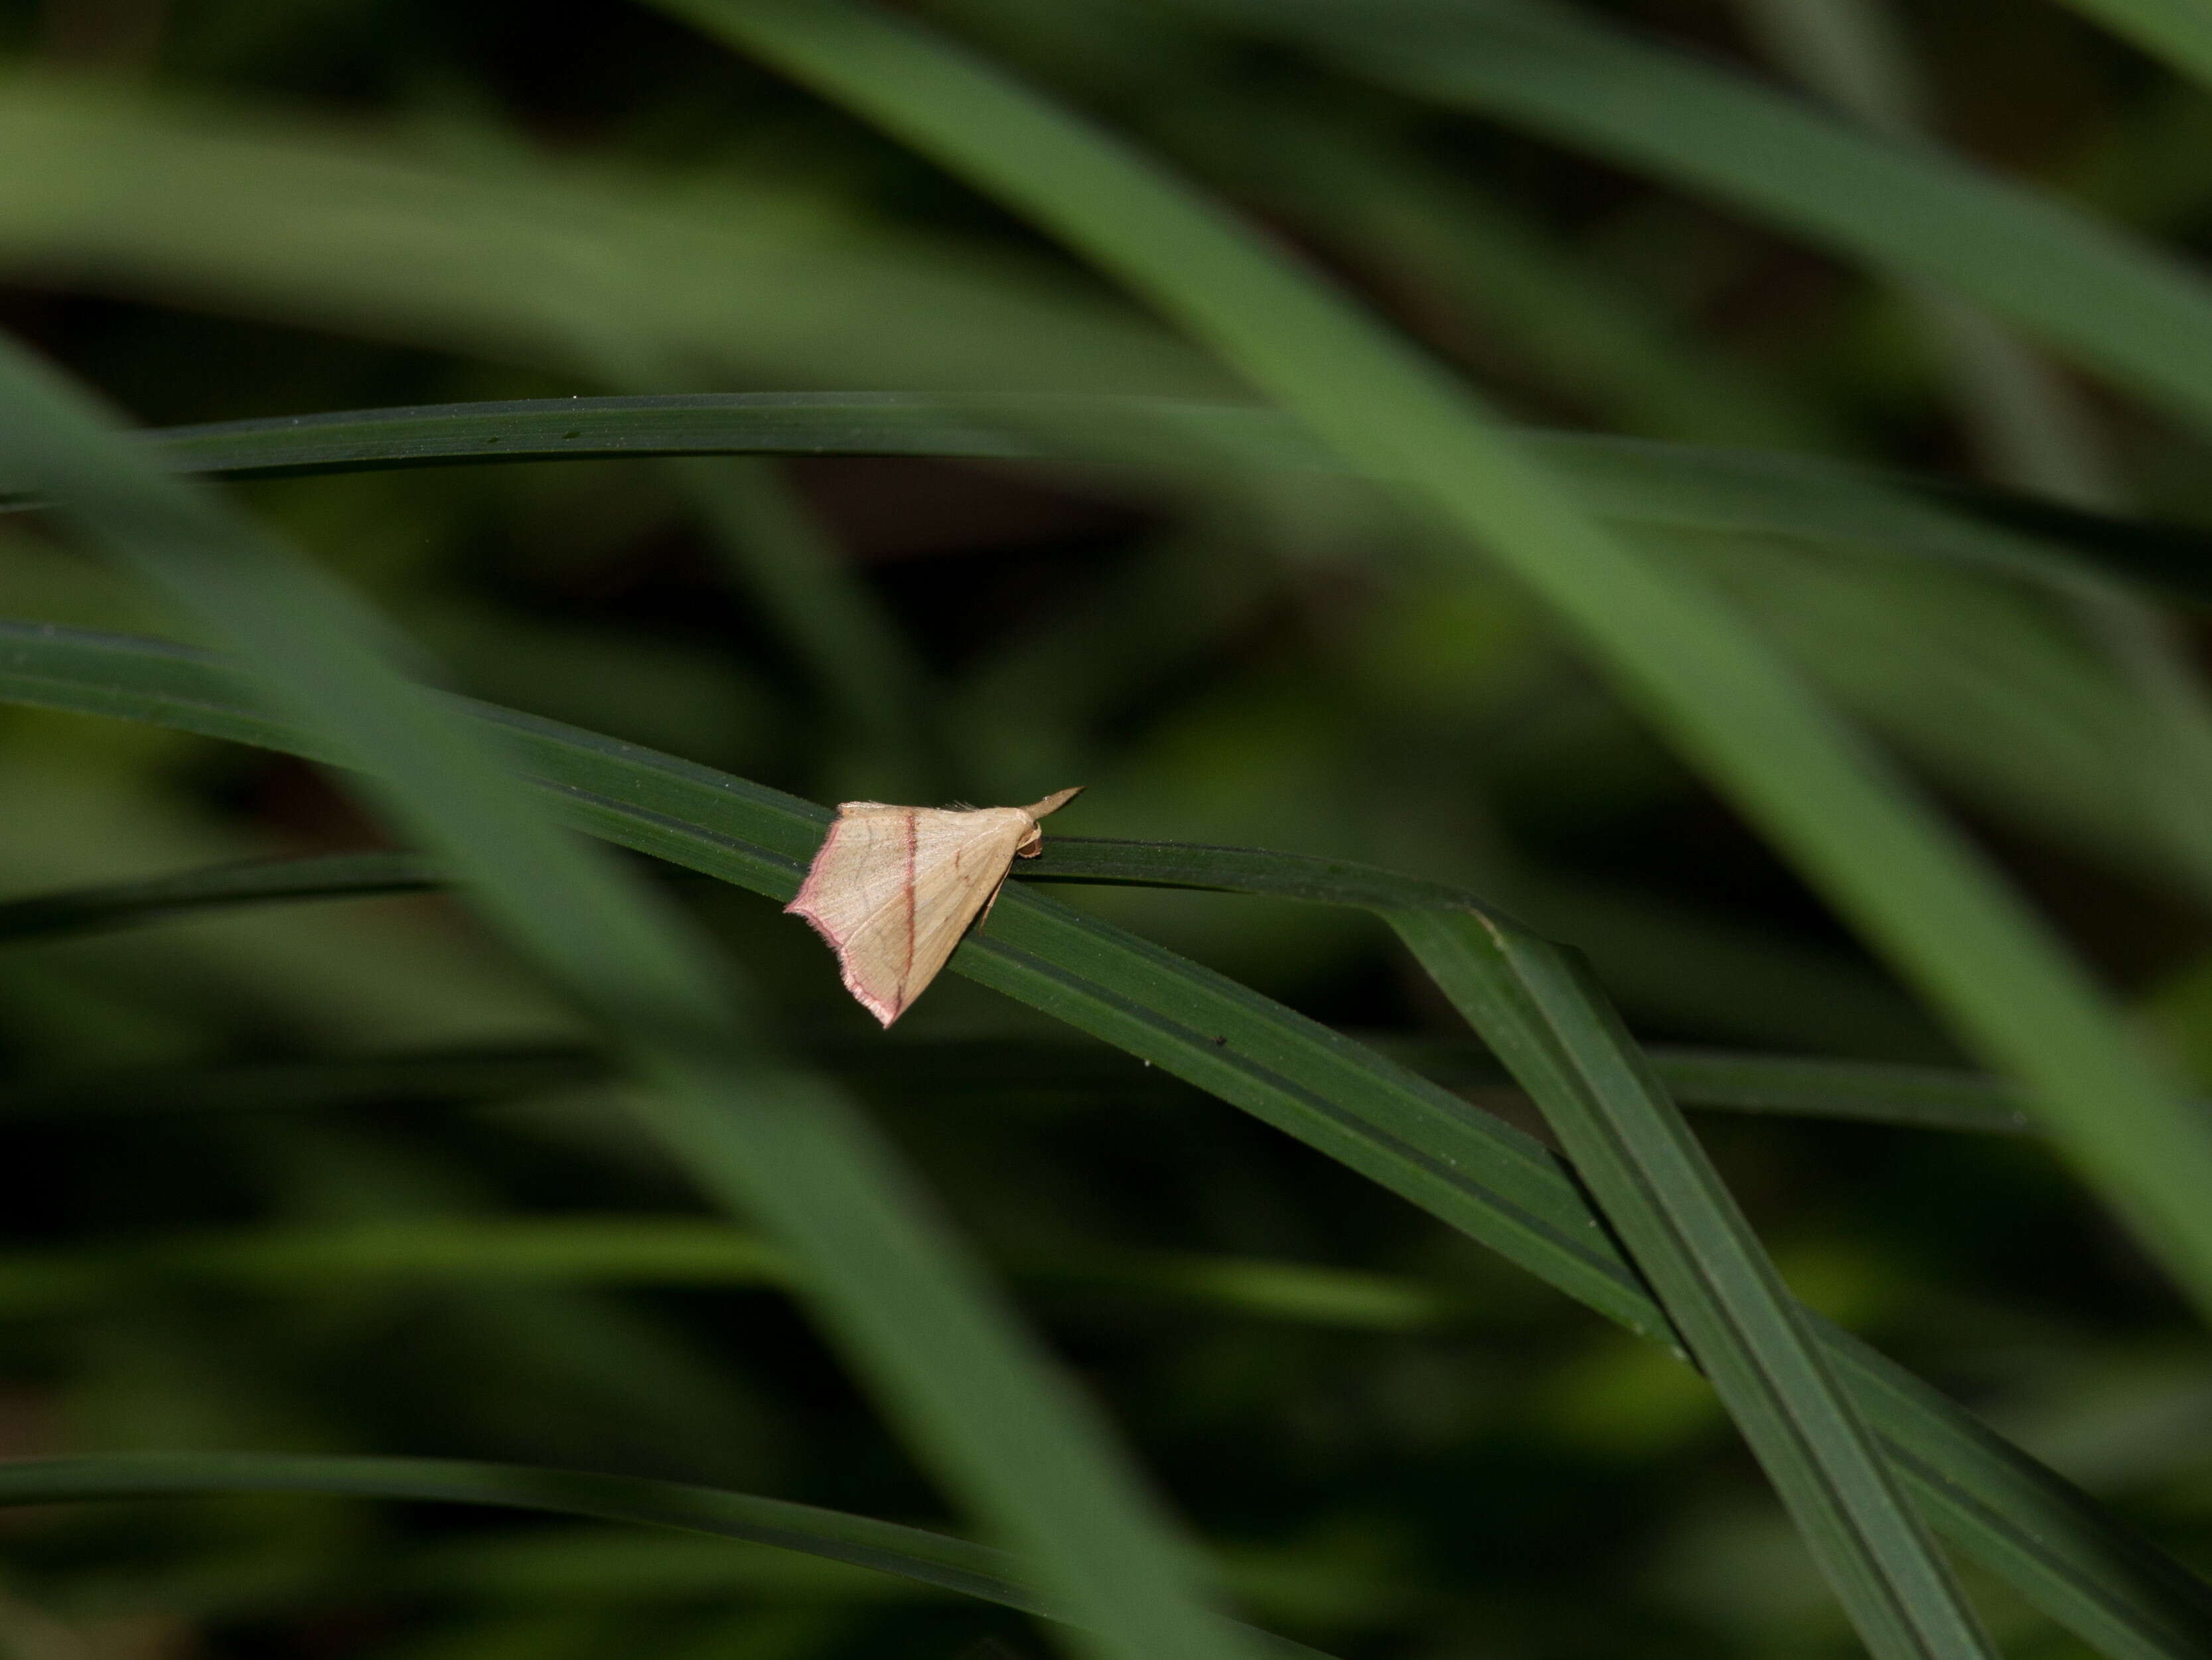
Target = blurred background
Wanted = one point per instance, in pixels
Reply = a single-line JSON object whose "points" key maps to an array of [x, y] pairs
{"points": [[251, 1159]]}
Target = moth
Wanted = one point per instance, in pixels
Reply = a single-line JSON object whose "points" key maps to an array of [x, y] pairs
{"points": [[894, 888]]}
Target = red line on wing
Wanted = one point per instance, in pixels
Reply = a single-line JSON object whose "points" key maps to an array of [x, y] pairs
{"points": [[913, 838]]}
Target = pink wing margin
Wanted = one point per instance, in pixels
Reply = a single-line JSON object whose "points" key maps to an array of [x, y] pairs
{"points": [[828, 866], [805, 902]]}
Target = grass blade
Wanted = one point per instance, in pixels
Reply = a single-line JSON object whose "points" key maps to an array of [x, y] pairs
{"points": [[1909, 882], [2063, 1552], [915, 1553], [2111, 303], [1926, 1098], [1634, 483], [976, 1399], [1542, 1013]]}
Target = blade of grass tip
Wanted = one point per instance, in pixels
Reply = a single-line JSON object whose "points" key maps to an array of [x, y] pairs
{"points": [[2066, 1553], [1912, 885], [253, 881], [1559, 1036], [977, 1399]]}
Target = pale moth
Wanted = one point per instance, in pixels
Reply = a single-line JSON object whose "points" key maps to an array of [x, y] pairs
{"points": [[894, 888]]}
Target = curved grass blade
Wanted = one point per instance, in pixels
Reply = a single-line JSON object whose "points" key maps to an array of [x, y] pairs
{"points": [[2138, 797], [1544, 1016], [2033, 429], [1635, 482], [2063, 1552], [977, 1399], [914, 1554], [1908, 881], [2111, 303]]}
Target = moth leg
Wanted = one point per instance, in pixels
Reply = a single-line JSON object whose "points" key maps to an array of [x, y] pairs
{"points": [[984, 914], [1028, 849]]}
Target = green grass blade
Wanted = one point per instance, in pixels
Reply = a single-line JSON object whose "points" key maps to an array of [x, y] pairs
{"points": [[2063, 1552], [914, 1554], [2033, 429], [932, 1558], [2111, 303], [1637, 485], [1728, 1080], [977, 1398], [1542, 1013], [1921, 1097], [1910, 883], [1925, 1098]]}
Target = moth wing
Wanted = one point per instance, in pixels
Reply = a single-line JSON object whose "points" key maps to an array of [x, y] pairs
{"points": [[894, 888], [860, 868], [961, 864]]}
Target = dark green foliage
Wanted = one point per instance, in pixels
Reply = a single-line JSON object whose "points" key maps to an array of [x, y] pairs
{"points": [[525, 1247]]}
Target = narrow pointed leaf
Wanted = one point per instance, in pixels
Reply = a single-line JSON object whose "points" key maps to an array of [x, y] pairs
{"points": [[1919, 892], [2063, 1552], [1633, 483], [977, 1397], [1543, 1014], [2107, 300]]}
